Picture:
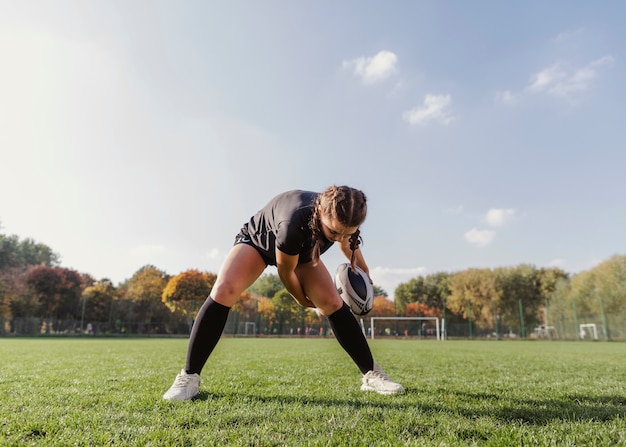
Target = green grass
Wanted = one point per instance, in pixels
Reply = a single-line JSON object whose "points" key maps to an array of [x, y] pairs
{"points": [[292, 392]]}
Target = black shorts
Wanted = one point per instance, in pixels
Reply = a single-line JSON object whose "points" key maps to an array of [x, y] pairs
{"points": [[244, 238]]}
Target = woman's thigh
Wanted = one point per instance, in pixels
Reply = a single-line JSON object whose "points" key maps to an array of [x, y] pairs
{"points": [[242, 267], [319, 287]]}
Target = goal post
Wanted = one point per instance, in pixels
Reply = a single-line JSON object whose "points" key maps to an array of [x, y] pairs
{"points": [[593, 330], [247, 328], [435, 319]]}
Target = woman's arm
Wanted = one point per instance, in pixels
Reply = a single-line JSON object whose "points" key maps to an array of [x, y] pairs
{"points": [[359, 260], [286, 265]]}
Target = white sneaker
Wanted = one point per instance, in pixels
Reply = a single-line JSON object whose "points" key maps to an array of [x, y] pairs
{"points": [[377, 380], [185, 387]]}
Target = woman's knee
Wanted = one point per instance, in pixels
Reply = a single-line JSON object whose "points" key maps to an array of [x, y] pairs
{"points": [[225, 292], [329, 307]]}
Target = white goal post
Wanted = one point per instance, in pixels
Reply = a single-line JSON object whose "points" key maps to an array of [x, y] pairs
{"points": [[249, 328], [435, 319], [592, 327]]}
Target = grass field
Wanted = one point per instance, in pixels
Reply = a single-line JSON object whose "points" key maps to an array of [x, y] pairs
{"points": [[293, 392]]}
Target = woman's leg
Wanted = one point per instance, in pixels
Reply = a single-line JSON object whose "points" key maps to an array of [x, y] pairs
{"points": [[319, 288], [240, 269]]}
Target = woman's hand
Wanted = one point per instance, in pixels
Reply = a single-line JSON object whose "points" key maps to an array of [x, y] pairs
{"points": [[286, 265]]}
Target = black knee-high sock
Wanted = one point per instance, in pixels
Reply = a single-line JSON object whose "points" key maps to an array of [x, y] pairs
{"points": [[351, 338], [206, 332]]}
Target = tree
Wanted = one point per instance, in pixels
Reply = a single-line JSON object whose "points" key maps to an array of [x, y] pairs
{"points": [[15, 294], [379, 291], [17, 253], [267, 311], [246, 306], [421, 310], [185, 292], [286, 309], [409, 292], [382, 307], [478, 288], [266, 285], [610, 284], [57, 290], [601, 288], [144, 292], [431, 290], [436, 290], [519, 283], [98, 300]]}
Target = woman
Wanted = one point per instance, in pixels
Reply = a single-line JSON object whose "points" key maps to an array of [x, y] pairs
{"points": [[291, 232]]}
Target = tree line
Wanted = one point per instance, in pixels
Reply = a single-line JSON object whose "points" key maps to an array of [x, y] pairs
{"points": [[35, 288]]}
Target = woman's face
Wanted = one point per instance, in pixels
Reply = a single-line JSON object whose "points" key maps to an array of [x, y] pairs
{"points": [[334, 231]]}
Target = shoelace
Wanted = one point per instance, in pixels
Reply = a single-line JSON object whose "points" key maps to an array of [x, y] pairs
{"points": [[182, 380], [381, 375]]}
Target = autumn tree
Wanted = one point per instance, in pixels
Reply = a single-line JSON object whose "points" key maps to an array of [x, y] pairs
{"points": [[409, 292], [421, 310], [57, 290], [246, 306], [473, 293], [15, 298], [602, 288], [382, 307], [519, 284], [431, 290], [98, 301], [267, 312], [185, 292], [144, 292]]}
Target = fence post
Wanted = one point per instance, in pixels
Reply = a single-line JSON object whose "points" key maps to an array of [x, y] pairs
{"points": [[82, 315], [495, 318], [604, 323], [469, 317], [576, 328], [521, 319], [443, 329], [548, 320]]}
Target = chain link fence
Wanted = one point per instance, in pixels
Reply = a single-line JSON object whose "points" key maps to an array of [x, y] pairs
{"points": [[558, 326]]}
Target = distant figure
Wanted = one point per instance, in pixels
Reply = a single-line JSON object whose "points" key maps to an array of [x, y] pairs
{"points": [[89, 329], [291, 232]]}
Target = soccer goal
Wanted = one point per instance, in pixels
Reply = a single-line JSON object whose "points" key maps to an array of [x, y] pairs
{"points": [[423, 327], [588, 330], [247, 328]]}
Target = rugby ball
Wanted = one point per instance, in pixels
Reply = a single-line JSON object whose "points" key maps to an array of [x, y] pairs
{"points": [[354, 288]]}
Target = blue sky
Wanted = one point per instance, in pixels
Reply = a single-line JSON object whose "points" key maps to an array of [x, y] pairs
{"points": [[484, 134]]}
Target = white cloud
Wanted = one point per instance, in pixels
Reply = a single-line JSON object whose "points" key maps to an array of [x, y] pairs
{"points": [[373, 69], [559, 80], [563, 81], [479, 238], [496, 217], [435, 108]]}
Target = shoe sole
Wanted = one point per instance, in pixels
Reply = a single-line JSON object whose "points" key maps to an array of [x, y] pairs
{"points": [[175, 399], [384, 392]]}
